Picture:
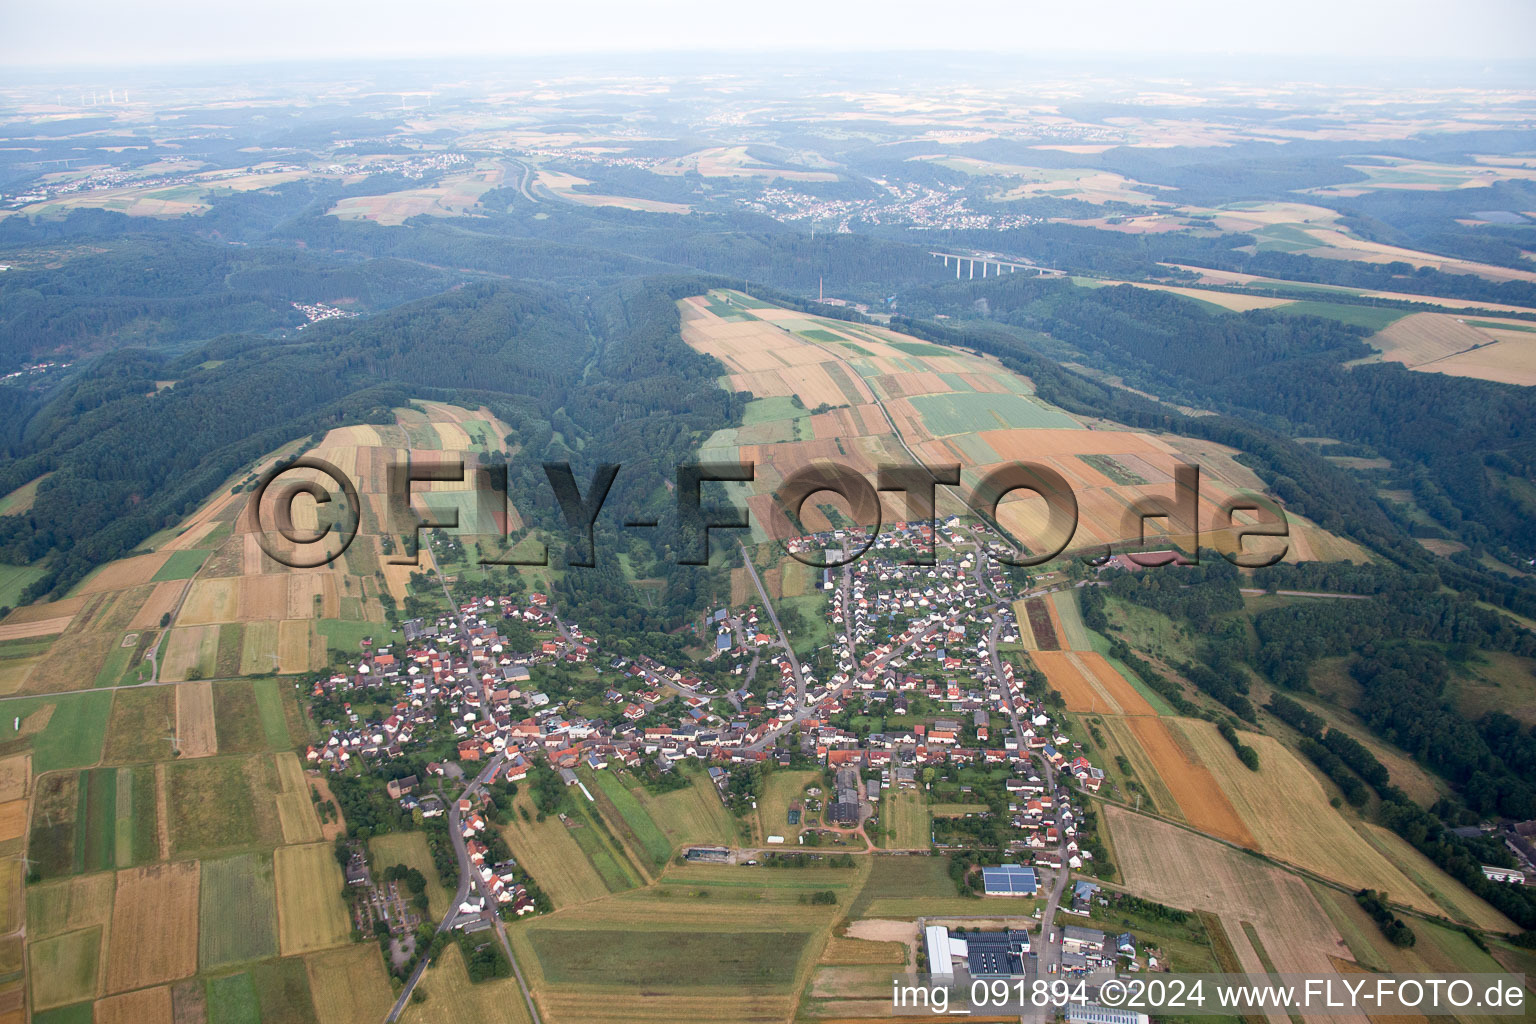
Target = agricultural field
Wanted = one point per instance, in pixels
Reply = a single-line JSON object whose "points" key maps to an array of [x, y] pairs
{"points": [[1285, 808], [65, 731], [63, 969], [73, 904], [671, 954], [154, 937], [310, 913], [222, 803], [630, 822], [891, 393], [1437, 948], [550, 854], [453, 999], [454, 195], [238, 911], [1088, 683], [141, 725], [901, 886], [349, 985], [296, 813], [146, 1006], [1441, 343], [1173, 866]]}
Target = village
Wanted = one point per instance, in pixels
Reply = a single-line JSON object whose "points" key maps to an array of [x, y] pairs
{"points": [[913, 646]]}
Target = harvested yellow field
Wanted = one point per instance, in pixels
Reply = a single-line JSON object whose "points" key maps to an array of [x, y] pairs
{"points": [[1200, 800], [1426, 337], [349, 985], [213, 600], [264, 597], [295, 810], [1170, 865], [1511, 359], [154, 926], [65, 609], [146, 1006], [311, 595], [310, 914], [188, 539], [37, 627], [259, 649], [295, 645], [1236, 302], [1285, 808], [13, 819], [196, 734], [15, 673], [161, 601], [189, 651], [123, 573]]}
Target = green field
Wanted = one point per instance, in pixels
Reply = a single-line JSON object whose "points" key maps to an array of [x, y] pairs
{"points": [[182, 565], [642, 958], [345, 635], [919, 348], [237, 911], [1107, 465], [690, 815], [96, 831], [766, 410], [269, 706], [52, 839], [780, 789], [74, 734], [968, 413], [14, 579], [80, 1013], [646, 832], [606, 855], [1372, 317], [232, 1000]]}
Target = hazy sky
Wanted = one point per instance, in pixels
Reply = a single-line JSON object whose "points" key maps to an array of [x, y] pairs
{"points": [[138, 32]]}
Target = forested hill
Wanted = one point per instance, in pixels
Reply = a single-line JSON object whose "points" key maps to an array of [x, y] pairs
{"points": [[1466, 448], [125, 459]]}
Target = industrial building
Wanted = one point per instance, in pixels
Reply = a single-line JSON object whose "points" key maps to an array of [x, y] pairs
{"points": [[1009, 880]]}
